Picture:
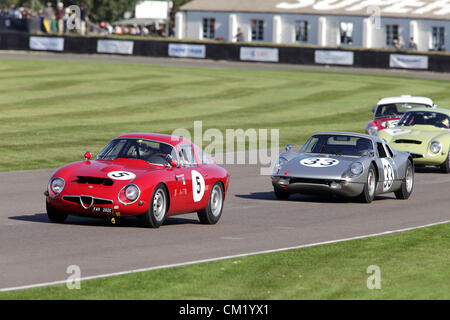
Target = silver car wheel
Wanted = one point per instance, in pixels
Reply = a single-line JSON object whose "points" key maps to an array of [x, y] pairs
{"points": [[216, 200], [159, 205], [371, 183], [409, 179]]}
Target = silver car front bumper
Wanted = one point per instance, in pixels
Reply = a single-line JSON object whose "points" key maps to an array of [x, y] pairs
{"points": [[312, 186]]}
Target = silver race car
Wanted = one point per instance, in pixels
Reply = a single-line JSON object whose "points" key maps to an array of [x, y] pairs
{"points": [[345, 164]]}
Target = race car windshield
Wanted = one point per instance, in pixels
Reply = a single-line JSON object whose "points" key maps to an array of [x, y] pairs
{"points": [[436, 119], [396, 109], [153, 152], [340, 145]]}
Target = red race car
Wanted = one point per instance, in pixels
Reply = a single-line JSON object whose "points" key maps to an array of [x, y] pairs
{"points": [[150, 176], [388, 111]]}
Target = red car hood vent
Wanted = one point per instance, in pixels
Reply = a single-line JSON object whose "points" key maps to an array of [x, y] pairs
{"points": [[95, 180]]}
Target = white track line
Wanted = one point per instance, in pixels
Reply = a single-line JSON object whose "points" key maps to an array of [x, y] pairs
{"points": [[222, 258]]}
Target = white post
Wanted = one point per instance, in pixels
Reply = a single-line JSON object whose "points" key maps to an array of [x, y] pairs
{"points": [[232, 27], [322, 32], [367, 41], [249, 33], [276, 29], [200, 31], [180, 25]]}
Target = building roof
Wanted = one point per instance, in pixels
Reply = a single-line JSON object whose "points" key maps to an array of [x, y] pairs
{"points": [[425, 9]]}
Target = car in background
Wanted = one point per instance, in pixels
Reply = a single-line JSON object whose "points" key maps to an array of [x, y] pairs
{"points": [[425, 134], [388, 111], [150, 176], [345, 164]]}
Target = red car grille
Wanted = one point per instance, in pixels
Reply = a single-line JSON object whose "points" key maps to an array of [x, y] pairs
{"points": [[86, 201], [95, 180]]}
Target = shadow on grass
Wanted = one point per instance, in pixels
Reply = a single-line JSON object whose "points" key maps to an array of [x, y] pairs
{"points": [[323, 198], [130, 222]]}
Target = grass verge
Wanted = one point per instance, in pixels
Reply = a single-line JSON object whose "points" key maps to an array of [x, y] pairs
{"points": [[413, 264]]}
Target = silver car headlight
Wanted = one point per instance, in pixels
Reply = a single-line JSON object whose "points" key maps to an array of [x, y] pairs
{"points": [[56, 186], [356, 168], [435, 147], [279, 164], [132, 192]]}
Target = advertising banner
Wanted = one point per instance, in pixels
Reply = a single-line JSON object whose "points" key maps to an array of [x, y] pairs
{"points": [[334, 57], [181, 50], [46, 43], [115, 46], [259, 54], [410, 61]]}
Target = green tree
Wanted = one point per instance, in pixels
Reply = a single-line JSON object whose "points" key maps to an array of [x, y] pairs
{"points": [[176, 6]]}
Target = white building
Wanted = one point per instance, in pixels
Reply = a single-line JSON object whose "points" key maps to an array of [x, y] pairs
{"points": [[331, 23]]}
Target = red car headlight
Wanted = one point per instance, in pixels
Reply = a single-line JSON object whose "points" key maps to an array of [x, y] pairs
{"points": [[56, 186], [129, 194]]}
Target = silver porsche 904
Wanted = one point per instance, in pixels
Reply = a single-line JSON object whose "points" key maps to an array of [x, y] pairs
{"points": [[345, 164]]}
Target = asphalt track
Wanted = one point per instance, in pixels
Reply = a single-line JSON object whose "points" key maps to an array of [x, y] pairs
{"points": [[33, 250], [200, 63]]}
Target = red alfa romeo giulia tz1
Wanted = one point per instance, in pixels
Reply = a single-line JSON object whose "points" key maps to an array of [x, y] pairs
{"points": [[150, 176]]}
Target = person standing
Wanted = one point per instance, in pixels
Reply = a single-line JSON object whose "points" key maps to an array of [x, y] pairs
{"points": [[48, 17], [412, 44], [239, 35], [60, 13], [83, 17]]}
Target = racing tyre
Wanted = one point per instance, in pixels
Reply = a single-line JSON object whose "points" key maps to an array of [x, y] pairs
{"points": [[408, 184], [445, 167], [159, 204], [370, 186], [213, 211], [55, 215], [281, 194]]}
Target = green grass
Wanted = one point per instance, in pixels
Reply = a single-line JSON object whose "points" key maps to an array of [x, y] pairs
{"points": [[51, 112], [413, 264]]}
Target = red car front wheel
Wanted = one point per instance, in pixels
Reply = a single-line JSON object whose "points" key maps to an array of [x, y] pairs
{"points": [[159, 204], [55, 215]]}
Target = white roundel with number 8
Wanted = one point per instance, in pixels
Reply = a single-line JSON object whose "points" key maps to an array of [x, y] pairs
{"points": [[198, 186], [319, 162]]}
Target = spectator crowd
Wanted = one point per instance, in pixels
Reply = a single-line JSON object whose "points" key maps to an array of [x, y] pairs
{"points": [[61, 19], [52, 20]]}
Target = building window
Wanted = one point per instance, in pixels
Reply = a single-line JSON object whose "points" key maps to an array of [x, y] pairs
{"points": [[346, 32], [257, 30], [438, 38], [391, 34], [301, 31], [209, 28]]}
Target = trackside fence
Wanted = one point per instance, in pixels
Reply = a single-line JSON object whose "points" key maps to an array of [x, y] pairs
{"points": [[362, 58]]}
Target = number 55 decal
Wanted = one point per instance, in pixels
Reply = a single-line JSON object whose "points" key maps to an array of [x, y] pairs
{"points": [[198, 186]]}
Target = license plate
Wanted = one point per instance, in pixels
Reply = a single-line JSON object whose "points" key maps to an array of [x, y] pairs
{"points": [[102, 210]]}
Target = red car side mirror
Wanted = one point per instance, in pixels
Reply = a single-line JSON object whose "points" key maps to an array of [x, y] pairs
{"points": [[88, 155], [173, 164]]}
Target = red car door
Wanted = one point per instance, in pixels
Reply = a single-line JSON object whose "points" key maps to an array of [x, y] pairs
{"points": [[191, 188]]}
